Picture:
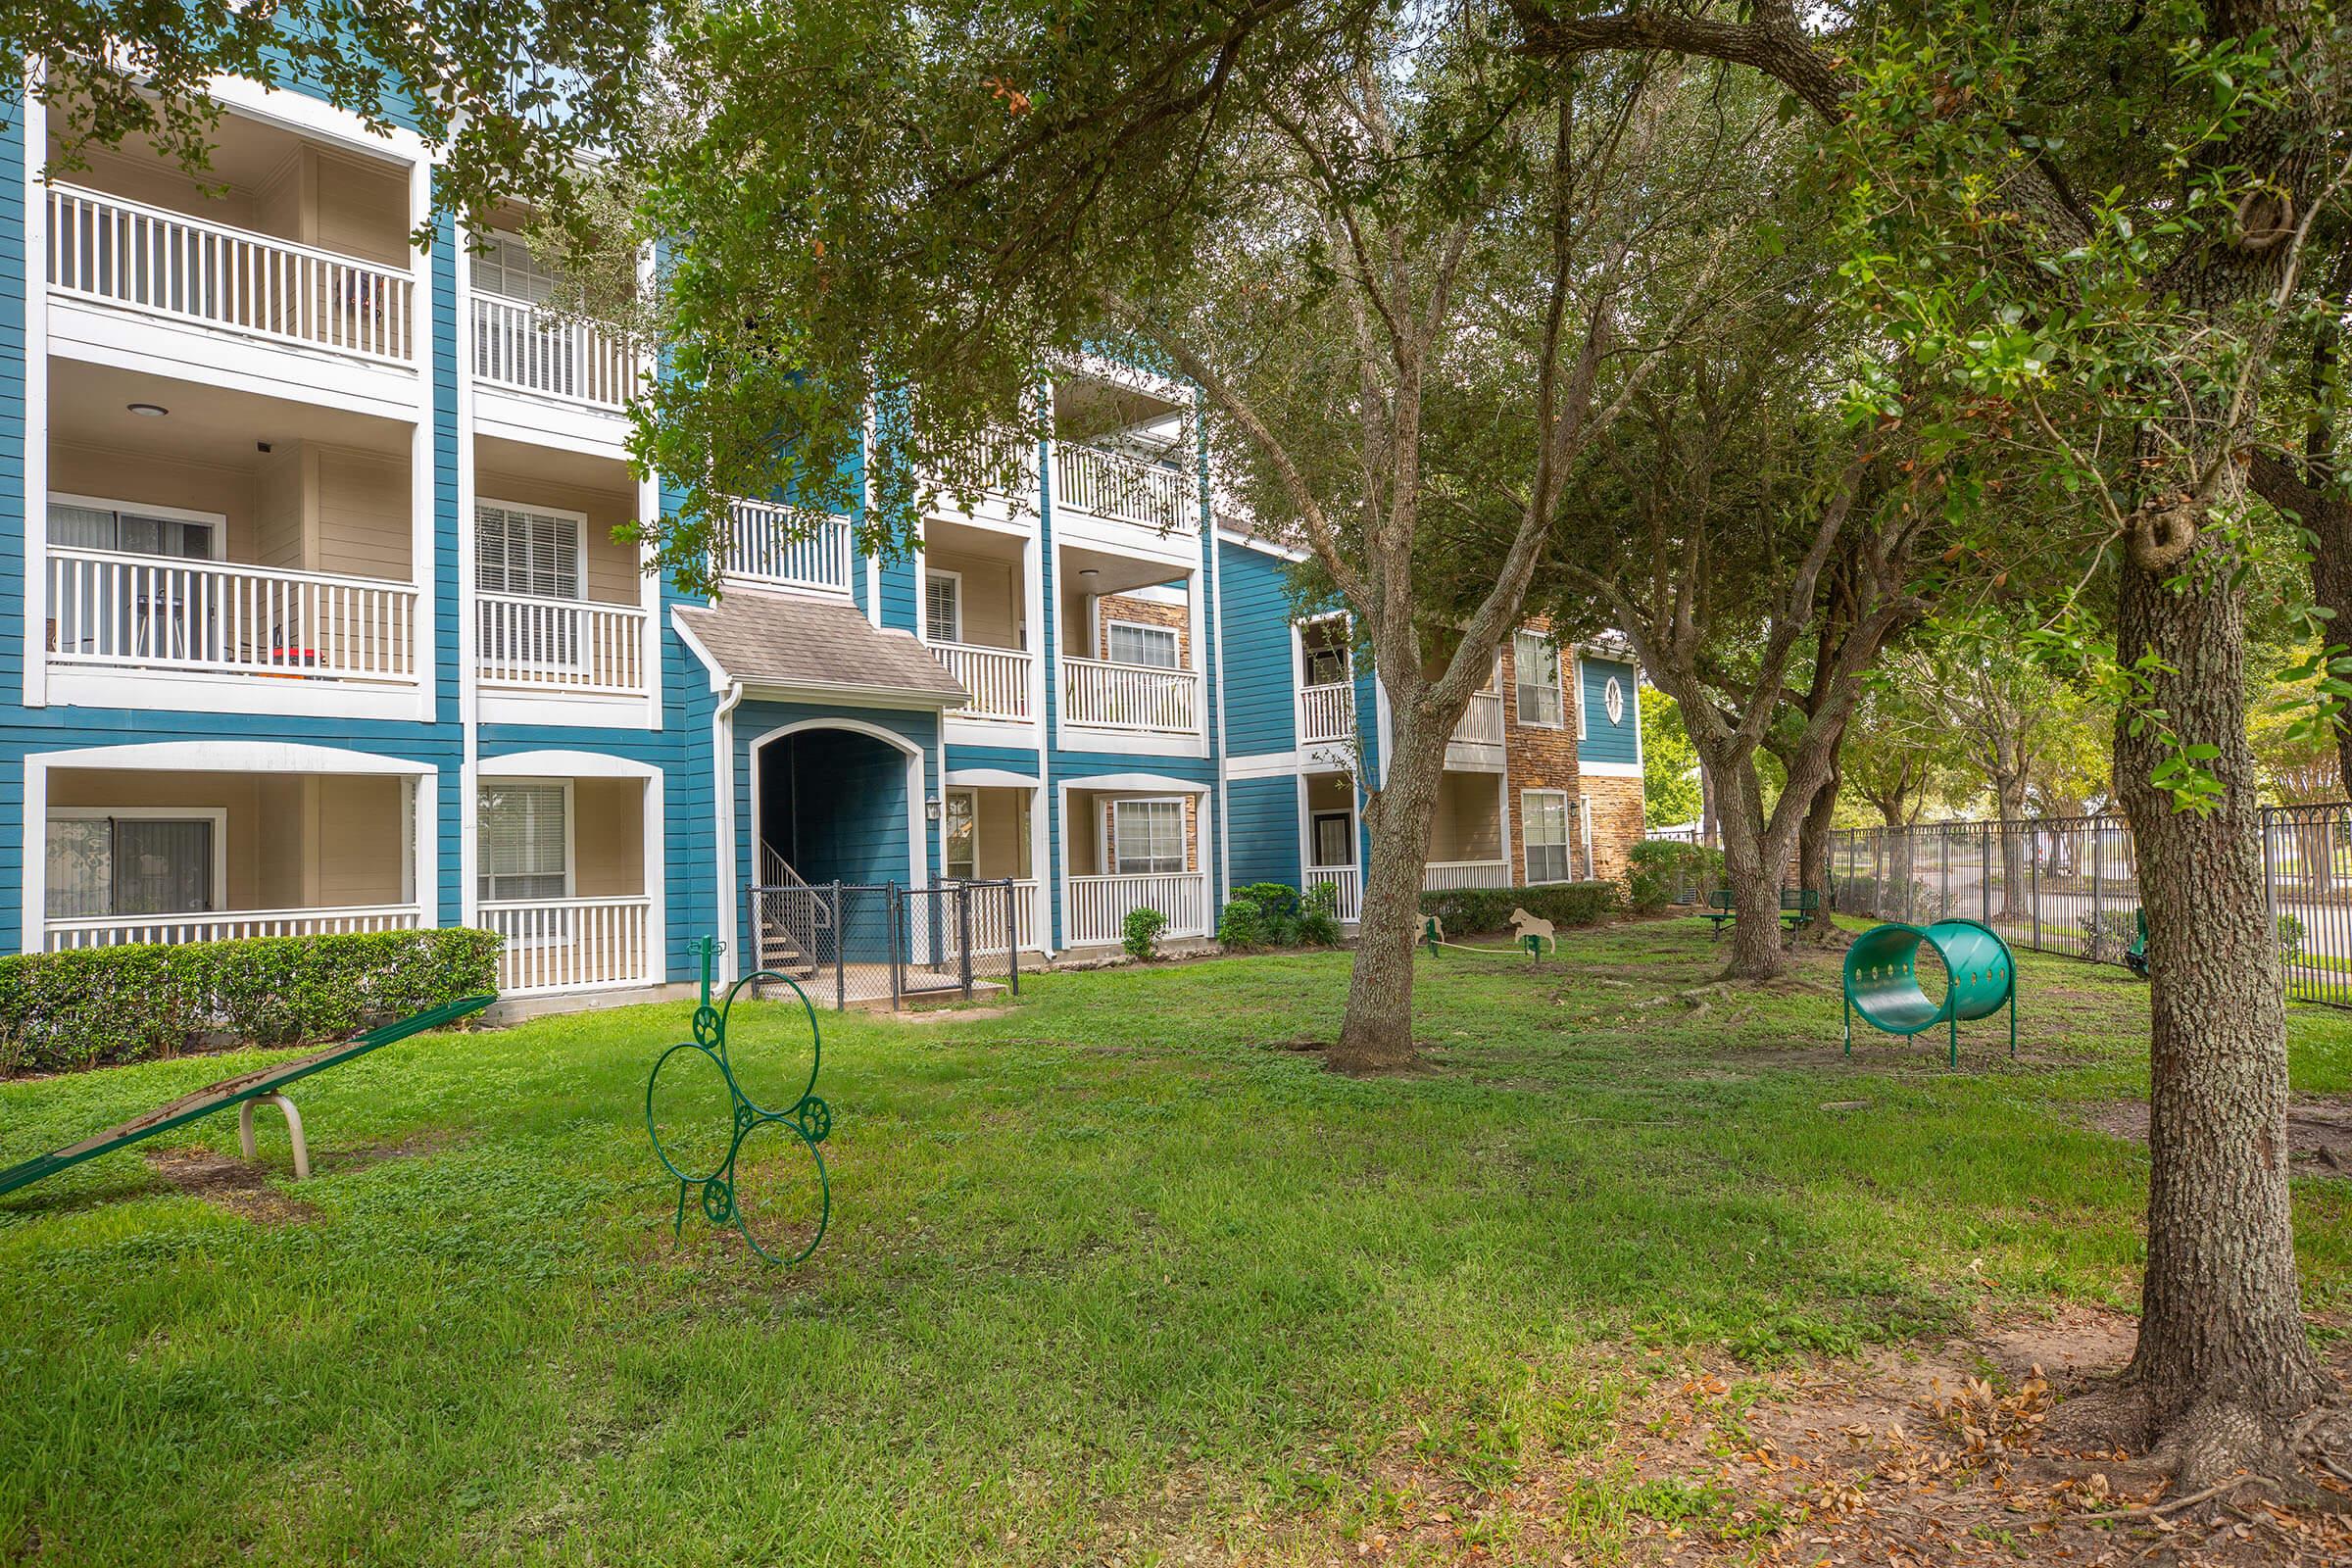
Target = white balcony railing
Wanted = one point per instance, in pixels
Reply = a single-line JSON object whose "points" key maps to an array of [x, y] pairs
{"points": [[787, 547], [161, 263], [998, 678], [1112, 484], [534, 350], [1482, 720], [570, 944], [1438, 875], [1326, 712], [1348, 881], [116, 930], [568, 645], [1143, 697], [1099, 905], [129, 611]]}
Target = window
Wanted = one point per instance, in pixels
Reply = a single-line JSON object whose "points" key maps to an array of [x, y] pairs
{"points": [[1612, 701], [506, 267], [963, 836], [1536, 660], [1543, 820], [943, 606], [524, 842], [1146, 837], [79, 522], [1132, 644], [1334, 839], [532, 551], [133, 863]]}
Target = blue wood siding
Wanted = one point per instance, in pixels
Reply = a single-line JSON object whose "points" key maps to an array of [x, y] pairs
{"points": [[1259, 666], [1602, 741], [1264, 813]]}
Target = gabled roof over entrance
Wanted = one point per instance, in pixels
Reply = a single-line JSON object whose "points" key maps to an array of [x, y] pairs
{"points": [[816, 648]]}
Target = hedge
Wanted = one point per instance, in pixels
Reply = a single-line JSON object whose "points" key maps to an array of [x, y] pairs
{"points": [[1473, 912], [89, 1005], [1656, 870]]}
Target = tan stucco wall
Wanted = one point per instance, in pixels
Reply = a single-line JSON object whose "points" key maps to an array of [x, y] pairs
{"points": [[607, 838]]}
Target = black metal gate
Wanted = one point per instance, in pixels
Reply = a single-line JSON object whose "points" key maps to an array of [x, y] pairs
{"points": [[847, 942]]}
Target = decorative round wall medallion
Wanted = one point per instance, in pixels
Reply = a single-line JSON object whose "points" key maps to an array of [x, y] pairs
{"points": [[1613, 700]]}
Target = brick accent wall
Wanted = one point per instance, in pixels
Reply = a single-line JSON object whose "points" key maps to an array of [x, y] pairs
{"points": [[1616, 822], [1143, 612], [1544, 757]]}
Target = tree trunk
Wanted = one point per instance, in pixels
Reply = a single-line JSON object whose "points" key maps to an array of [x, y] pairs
{"points": [[1754, 861], [2222, 1361], [2009, 795], [1376, 1034], [1708, 833], [1813, 858]]}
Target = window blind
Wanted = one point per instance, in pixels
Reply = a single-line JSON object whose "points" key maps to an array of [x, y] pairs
{"points": [[522, 841]]}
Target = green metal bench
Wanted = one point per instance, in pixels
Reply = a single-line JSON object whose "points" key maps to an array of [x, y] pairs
{"points": [[243, 1090], [1799, 906], [1719, 911]]}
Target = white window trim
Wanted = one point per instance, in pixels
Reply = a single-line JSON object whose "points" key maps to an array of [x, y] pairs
{"points": [[1175, 638], [1583, 820], [217, 816], [946, 796], [572, 819], [579, 529], [1103, 835], [1314, 819], [1518, 684], [1346, 645], [217, 520], [507, 236], [1580, 696], [957, 577], [1527, 817]]}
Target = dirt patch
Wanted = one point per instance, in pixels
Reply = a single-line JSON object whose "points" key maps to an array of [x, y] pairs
{"points": [[1915, 1455], [932, 1015], [229, 1184], [431, 1140], [2318, 1130]]}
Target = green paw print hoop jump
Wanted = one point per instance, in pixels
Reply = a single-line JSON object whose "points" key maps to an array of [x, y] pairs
{"points": [[1883, 981], [737, 1121]]}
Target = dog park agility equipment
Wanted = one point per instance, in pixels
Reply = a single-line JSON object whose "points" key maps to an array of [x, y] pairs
{"points": [[245, 1091], [738, 1136], [1882, 985]]}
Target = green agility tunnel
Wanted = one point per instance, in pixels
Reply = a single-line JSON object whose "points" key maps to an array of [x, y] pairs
{"points": [[1882, 985]]}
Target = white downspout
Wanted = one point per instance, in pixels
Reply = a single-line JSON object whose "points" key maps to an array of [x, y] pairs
{"points": [[722, 741]]}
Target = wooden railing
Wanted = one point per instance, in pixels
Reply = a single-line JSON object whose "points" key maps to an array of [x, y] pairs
{"points": [[1147, 697], [786, 547], [1348, 881], [1099, 905], [1326, 712], [1438, 875], [1112, 484], [519, 345], [988, 920], [1482, 720], [572, 645], [997, 678], [116, 930], [131, 612], [570, 944], [122, 252]]}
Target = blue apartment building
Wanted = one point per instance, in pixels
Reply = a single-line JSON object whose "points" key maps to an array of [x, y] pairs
{"points": [[317, 623]]}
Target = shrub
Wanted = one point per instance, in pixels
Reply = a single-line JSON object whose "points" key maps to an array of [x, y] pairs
{"points": [[1258, 916], [1471, 912], [89, 1005], [2291, 938], [1319, 915], [1663, 871], [1142, 929]]}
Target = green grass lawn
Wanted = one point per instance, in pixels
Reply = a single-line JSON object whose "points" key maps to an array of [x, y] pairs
{"points": [[1122, 1264]]}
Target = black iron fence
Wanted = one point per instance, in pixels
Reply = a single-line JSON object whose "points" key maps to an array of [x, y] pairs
{"points": [[2071, 885], [847, 943]]}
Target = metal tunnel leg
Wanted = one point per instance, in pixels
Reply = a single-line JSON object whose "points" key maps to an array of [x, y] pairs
{"points": [[2013, 1023], [1956, 1040], [302, 1151], [1849, 1027]]}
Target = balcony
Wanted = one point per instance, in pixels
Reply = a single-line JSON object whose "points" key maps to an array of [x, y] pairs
{"points": [[108, 610], [526, 348], [1327, 714], [559, 645], [1099, 905], [557, 944], [998, 678], [1142, 698], [110, 250], [1439, 876], [774, 546], [1125, 489], [1482, 721]]}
